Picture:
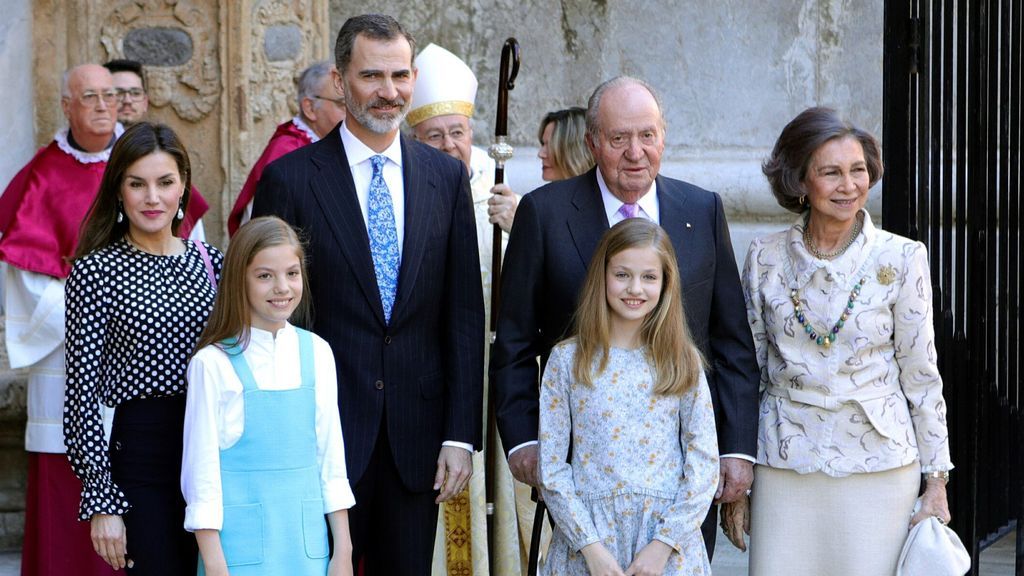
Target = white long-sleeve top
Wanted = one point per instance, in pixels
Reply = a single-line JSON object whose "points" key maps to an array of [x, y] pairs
{"points": [[215, 419], [35, 337]]}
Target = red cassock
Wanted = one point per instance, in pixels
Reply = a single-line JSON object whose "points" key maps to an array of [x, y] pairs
{"points": [[45, 204], [286, 138]]}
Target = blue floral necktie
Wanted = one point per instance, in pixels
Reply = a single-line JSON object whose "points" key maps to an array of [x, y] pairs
{"points": [[387, 258]]}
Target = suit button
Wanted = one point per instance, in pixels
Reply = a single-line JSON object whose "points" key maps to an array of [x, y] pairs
{"points": [[379, 384], [387, 339]]}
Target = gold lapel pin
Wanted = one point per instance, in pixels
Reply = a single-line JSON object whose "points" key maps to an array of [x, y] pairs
{"points": [[886, 275]]}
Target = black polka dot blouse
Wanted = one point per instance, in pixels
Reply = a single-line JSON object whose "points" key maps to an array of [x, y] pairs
{"points": [[132, 322]]}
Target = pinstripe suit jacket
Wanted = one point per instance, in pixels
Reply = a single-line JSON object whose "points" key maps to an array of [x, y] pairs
{"points": [[556, 230], [425, 370]]}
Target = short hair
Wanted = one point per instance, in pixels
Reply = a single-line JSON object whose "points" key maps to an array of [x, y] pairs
{"points": [[308, 84], [567, 148], [594, 104], [124, 65], [65, 83], [231, 317], [374, 27], [787, 165], [101, 227]]}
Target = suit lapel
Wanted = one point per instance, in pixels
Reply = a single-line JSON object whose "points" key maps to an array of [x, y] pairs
{"points": [[673, 219], [419, 196], [588, 222], [335, 191]]}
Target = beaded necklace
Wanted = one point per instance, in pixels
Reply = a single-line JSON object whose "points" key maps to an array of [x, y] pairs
{"points": [[826, 340]]}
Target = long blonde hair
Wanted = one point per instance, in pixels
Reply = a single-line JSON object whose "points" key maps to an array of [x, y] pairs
{"points": [[231, 316], [677, 362]]}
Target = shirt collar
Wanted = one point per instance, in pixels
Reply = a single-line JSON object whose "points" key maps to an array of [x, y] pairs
{"points": [[648, 203], [357, 152], [803, 265]]}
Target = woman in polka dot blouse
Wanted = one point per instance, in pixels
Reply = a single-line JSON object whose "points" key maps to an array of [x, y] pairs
{"points": [[137, 299]]}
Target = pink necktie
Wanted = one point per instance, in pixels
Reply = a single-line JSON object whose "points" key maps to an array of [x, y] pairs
{"points": [[629, 211]]}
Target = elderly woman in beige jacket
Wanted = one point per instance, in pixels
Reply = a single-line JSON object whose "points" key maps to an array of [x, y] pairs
{"points": [[852, 419]]}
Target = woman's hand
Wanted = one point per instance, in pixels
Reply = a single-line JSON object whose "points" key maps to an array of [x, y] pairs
{"points": [[600, 561], [339, 566], [933, 502], [651, 560], [736, 521], [109, 539]]}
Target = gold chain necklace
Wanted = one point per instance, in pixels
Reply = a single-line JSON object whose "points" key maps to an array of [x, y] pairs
{"points": [[813, 249]]}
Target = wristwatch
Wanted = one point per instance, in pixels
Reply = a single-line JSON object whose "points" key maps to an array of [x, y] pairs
{"points": [[940, 474]]}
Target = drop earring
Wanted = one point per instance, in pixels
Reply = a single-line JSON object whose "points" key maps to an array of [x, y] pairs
{"points": [[120, 213], [181, 213]]}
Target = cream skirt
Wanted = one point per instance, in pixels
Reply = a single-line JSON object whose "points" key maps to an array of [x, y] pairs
{"points": [[814, 524]]}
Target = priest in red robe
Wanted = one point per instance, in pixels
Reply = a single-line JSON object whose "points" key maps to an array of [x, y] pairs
{"points": [[321, 108]]}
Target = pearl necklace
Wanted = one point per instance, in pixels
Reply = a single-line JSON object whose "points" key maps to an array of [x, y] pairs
{"points": [[813, 249], [826, 340]]}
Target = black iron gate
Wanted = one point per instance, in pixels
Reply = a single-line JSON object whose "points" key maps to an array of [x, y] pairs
{"points": [[952, 140]]}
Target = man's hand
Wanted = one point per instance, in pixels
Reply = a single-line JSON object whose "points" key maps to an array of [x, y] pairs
{"points": [[454, 467], [109, 539], [735, 477], [651, 560], [501, 206], [523, 464], [736, 521]]}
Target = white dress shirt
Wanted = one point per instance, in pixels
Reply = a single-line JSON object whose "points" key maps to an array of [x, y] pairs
{"points": [[215, 419], [648, 203], [359, 164]]}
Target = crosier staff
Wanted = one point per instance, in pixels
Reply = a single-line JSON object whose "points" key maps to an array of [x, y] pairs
{"points": [[501, 151]]}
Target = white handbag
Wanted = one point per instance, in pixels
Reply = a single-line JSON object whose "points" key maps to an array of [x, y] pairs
{"points": [[933, 549]]}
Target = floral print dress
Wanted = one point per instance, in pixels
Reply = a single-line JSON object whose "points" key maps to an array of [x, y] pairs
{"points": [[643, 467]]}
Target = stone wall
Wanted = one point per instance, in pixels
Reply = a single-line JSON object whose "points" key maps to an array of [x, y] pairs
{"points": [[731, 73]]}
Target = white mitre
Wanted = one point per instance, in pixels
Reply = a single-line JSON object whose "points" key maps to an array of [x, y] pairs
{"points": [[444, 85]]}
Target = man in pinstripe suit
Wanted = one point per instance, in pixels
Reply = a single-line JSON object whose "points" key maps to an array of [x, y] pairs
{"points": [[410, 361]]}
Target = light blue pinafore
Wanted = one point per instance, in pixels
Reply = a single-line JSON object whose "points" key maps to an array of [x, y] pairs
{"points": [[273, 507]]}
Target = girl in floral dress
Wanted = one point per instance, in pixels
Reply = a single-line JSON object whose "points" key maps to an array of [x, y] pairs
{"points": [[628, 449]]}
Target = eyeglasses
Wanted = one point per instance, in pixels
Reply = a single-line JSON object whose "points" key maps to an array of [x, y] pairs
{"points": [[131, 94], [436, 137], [91, 99], [337, 101]]}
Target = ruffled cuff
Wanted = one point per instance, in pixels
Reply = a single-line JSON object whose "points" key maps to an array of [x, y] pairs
{"points": [[101, 497]]}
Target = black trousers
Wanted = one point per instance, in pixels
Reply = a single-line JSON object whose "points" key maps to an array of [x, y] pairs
{"points": [[710, 530], [392, 528], [145, 462]]}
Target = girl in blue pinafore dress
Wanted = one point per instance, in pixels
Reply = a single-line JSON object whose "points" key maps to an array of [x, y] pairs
{"points": [[627, 398], [264, 459]]}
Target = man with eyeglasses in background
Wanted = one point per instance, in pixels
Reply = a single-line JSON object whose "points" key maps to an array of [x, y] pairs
{"points": [[40, 214], [130, 83], [321, 108]]}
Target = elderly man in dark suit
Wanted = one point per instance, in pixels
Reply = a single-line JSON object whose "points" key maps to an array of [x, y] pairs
{"points": [[395, 279], [556, 230]]}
